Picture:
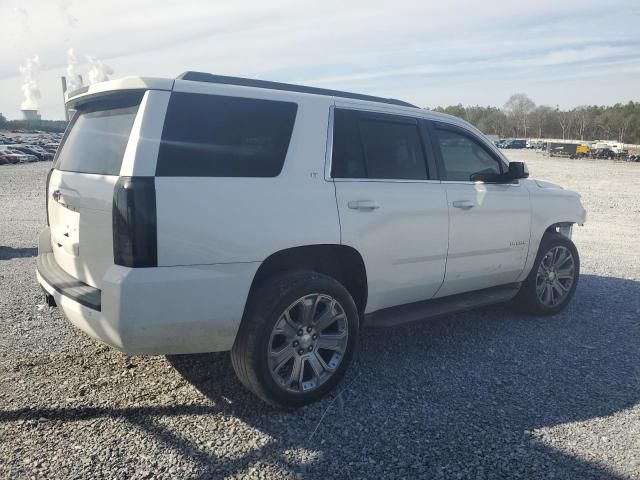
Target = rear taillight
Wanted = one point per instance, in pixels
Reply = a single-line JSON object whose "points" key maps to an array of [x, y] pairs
{"points": [[46, 195], [135, 241]]}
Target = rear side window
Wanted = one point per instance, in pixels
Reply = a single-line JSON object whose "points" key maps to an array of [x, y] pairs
{"points": [[377, 147], [98, 134], [348, 156], [219, 136]]}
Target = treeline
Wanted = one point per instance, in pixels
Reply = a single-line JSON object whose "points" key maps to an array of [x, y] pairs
{"points": [[44, 125], [521, 117]]}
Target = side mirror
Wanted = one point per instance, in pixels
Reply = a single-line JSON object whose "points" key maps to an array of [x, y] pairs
{"points": [[518, 170]]}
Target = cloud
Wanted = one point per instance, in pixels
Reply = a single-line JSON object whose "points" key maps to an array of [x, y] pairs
{"points": [[416, 50]]}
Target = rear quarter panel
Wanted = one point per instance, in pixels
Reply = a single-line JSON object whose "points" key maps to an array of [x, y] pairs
{"points": [[207, 220]]}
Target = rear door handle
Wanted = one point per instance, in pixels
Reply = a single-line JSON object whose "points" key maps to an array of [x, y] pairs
{"points": [[463, 204], [365, 205]]}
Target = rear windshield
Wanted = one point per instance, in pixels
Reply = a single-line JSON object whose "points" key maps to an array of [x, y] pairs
{"points": [[97, 137], [220, 136]]}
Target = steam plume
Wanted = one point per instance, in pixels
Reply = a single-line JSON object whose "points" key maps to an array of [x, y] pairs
{"points": [[98, 71], [30, 88], [74, 80], [64, 6]]}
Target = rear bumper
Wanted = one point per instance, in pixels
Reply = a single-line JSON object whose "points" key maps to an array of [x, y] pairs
{"points": [[154, 311], [50, 272]]}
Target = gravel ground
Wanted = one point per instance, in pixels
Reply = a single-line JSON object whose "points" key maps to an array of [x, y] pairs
{"points": [[484, 394]]}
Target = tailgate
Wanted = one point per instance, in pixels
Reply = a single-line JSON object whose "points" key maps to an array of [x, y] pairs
{"points": [[80, 221], [80, 190]]}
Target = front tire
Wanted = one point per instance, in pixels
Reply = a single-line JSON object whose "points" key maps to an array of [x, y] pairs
{"points": [[296, 339], [553, 278]]}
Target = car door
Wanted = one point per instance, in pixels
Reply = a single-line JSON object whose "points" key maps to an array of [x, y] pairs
{"points": [[489, 223], [391, 210]]}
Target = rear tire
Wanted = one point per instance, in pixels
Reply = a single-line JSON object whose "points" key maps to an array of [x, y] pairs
{"points": [[296, 339], [553, 278]]}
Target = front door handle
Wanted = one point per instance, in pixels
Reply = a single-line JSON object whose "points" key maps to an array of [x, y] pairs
{"points": [[463, 204], [365, 205]]}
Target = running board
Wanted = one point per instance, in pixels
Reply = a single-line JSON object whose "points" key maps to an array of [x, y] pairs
{"points": [[390, 317]]}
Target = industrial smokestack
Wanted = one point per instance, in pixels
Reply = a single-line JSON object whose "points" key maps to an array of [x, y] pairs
{"points": [[64, 91], [31, 115]]}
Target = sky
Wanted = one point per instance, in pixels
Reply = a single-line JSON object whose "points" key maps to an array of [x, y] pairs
{"points": [[564, 53]]}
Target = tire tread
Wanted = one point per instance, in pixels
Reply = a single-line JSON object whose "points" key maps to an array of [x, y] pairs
{"points": [[260, 307], [526, 300]]}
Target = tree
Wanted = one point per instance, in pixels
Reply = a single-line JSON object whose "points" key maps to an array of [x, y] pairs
{"points": [[518, 107], [3, 121], [540, 117], [625, 119], [582, 116], [618, 122], [564, 119], [455, 110]]}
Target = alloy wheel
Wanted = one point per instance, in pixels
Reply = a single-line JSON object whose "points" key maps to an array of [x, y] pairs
{"points": [[555, 276], [307, 343]]}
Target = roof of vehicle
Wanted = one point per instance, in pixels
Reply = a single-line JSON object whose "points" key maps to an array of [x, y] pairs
{"points": [[150, 83], [138, 83], [248, 82]]}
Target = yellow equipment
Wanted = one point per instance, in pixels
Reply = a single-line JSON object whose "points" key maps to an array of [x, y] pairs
{"points": [[582, 150]]}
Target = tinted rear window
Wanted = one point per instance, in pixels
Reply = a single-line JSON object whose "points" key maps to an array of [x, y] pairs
{"points": [[377, 146], [219, 136], [348, 155], [98, 135], [393, 150]]}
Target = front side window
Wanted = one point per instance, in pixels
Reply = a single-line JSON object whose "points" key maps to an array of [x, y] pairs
{"points": [[376, 147], [220, 136], [464, 158]]}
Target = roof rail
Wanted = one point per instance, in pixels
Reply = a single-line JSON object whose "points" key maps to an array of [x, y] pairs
{"points": [[248, 82]]}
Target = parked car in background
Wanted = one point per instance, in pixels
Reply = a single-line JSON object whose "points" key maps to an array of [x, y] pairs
{"points": [[603, 153], [17, 154], [42, 145], [495, 139], [20, 157], [38, 152], [515, 144], [52, 147]]}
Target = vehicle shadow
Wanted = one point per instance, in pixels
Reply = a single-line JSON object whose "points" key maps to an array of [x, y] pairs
{"points": [[478, 394], [7, 253], [474, 390]]}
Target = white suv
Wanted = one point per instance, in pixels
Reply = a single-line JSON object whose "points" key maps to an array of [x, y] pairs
{"points": [[212, 213]]}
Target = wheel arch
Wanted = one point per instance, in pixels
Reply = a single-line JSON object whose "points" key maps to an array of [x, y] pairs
{"points": [[342, 262], [563, 228]]}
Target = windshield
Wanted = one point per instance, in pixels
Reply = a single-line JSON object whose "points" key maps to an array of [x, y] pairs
{"points": [[97, 137]]}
